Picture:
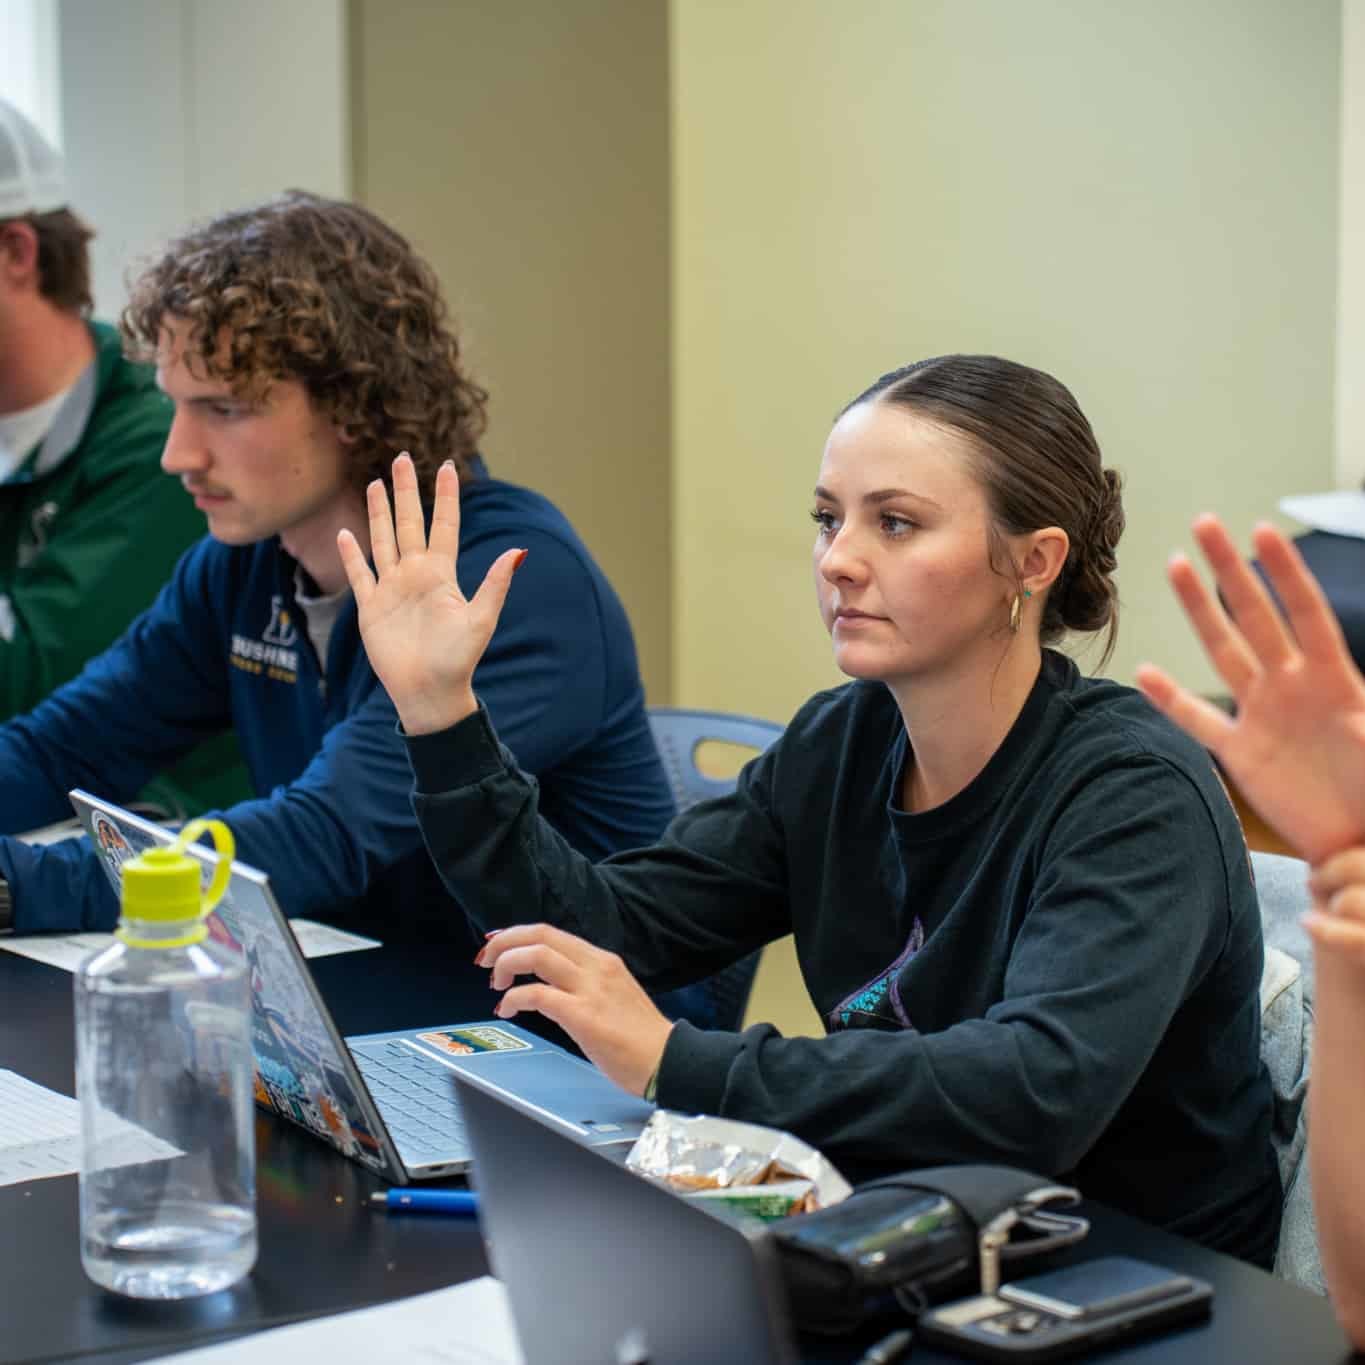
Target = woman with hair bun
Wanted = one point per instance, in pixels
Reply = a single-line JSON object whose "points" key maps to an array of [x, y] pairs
{"points": [[1020, 897]]}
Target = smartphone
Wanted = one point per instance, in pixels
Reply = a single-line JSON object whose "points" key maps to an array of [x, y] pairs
{"points": [[1069, 1311]]}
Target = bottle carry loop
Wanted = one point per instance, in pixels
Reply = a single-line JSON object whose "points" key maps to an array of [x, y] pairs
{"points": [[162, 884]]}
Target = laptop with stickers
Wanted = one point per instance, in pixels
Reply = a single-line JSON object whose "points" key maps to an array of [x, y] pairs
{"points": [[383, 1099]]}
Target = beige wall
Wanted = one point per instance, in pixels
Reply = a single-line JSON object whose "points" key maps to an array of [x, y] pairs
{"points": [[1350, 367], [1138, 197], [524, 147]]}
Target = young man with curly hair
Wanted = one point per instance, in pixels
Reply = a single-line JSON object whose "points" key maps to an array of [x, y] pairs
{"points": [[303, 343], [89, 528]]}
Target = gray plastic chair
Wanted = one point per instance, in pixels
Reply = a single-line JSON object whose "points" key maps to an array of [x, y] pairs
{"points": [[678, 734]]}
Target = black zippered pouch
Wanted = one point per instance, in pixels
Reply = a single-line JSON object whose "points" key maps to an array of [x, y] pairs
{"points": [[898, 1244]]}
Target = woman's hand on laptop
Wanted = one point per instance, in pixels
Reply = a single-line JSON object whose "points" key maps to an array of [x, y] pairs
{"points": [[588, 992], [423, 636], [1296, 747]]}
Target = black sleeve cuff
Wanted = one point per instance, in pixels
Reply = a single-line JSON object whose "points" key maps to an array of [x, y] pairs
{"points": [[695, 1068], [460, 756]]}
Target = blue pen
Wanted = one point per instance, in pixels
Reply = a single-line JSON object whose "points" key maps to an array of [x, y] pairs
{"points": [[463, 1202]]}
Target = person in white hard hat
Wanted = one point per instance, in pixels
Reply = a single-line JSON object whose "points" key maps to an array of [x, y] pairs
{"points": [[90, 527]]}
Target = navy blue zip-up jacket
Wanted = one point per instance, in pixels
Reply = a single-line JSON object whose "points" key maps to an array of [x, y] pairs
{"points": [[224, 646]]}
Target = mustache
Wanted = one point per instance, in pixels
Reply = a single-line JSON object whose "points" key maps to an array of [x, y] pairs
{"points": [[196, 490]]}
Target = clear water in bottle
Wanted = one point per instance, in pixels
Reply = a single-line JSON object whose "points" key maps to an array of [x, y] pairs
{"points": [[182, 1251], [164, 1076]]}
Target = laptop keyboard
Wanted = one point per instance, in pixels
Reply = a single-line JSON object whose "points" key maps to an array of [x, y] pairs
{"points": [[416, 1097]]}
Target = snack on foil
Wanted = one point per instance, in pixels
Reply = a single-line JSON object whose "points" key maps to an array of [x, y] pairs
{"points": [[761, 1171]]}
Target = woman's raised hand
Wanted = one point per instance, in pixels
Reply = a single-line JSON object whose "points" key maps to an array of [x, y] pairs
{"points": [[423, 637], [1296, 747]]}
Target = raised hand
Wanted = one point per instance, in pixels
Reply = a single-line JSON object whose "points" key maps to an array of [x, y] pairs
{"points": [[423, 637], [587, 991], [1296, 747]]}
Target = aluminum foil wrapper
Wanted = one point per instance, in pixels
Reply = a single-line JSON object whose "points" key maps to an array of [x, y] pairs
{"points": [[762, 1171]]}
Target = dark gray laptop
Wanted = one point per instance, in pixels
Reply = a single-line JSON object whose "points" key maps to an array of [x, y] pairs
{"points": [[604, 1267]]}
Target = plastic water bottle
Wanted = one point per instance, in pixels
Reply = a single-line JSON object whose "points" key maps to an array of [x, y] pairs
{"points": [[164, 1078]]}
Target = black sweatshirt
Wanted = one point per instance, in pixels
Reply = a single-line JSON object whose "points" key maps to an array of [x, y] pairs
{"points": [[1056, 969]]}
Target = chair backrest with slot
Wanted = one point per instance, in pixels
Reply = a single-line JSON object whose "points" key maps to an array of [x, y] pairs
{"points": [[679, 734]]}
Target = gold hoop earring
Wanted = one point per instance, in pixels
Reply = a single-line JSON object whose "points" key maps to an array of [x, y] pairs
{"points": [[1017, 609]]}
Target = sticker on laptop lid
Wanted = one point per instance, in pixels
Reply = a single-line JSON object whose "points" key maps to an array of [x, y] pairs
{"points": [[113, 845], [460, 1042]]}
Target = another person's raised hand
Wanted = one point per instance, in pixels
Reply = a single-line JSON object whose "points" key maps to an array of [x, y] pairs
{"points": [[423, 637], [1296, 747], [587, 991]]}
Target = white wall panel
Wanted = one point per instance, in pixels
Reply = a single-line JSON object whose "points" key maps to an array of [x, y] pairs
{"points": [[174, 111]]}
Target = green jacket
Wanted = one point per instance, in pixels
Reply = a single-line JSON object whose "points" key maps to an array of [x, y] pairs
{"points": [[90, 529]]}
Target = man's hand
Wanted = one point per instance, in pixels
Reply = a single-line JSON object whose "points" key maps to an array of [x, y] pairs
{"points": [[422, 636], [587, 992], [1296, 747]]}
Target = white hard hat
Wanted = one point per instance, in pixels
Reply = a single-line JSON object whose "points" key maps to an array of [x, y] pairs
{"points": [[32, 174]]}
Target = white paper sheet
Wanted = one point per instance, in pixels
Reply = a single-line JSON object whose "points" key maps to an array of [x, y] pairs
{"points": [[1342, 513], [67, 951], [70, 828], [467, 1324], [322, 940], [40, 1134]]}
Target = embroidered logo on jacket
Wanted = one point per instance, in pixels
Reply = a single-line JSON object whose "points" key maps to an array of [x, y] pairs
{"points": [[272, 654], [281, 630], [880, 999]]}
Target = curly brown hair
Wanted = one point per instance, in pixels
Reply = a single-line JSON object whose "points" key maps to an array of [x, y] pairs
{"points": [[323, 292]]}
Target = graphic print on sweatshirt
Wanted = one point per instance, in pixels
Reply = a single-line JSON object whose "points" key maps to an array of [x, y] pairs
{"points": [[880, 999]]}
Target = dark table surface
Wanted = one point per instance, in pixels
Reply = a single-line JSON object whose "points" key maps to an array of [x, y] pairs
{"points": [[322, 1249]]}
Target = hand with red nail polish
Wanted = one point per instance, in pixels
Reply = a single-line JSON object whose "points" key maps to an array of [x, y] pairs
{"points": [[587, 991]]}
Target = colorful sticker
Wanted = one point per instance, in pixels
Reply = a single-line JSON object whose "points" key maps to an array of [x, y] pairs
{"points": [[297, 1072], [113, 845], [460, 1042]]}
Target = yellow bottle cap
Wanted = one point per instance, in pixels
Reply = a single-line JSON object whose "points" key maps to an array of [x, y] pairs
{"points": [[161, 885]]}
